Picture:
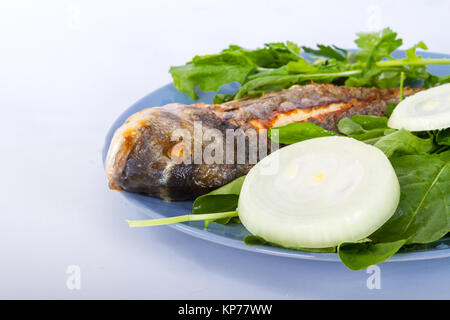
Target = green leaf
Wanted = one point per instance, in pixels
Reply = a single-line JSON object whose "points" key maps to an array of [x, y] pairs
{"points": [[361, 255], [298, 131], [253, 240], [301, 66], [377, 45], [390, 108], [443, 137], [411, 52], [270, 83], [372, 136], [443, 80], [403, 142], [328, 51], [423, 214], [368, 129], [374, 47], [279, 65], [349, 127], [273, 55], [211, 72], [222, 97], [368, 122], [220, 200]]}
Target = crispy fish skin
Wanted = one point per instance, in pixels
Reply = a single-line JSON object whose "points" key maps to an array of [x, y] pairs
{"points": [[143, 157]]}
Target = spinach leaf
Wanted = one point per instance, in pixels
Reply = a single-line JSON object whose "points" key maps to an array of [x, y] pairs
{"points": [[443, 137], [445, 79], [361, 255], [390, 108], [253, 240], [403, 142], [360, 124], [368, 129], [370, 122], [349, 127], [220, 200], [298, 131], [423, 213]]}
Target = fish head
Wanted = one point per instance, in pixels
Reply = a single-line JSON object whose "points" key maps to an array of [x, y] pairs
{"points": [[147, 152]]}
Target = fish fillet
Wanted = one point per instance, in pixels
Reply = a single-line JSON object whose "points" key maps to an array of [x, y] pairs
{"points": [[143, 156]]}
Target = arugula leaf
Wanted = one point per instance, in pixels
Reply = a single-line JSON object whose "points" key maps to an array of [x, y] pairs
{"points": [[328, 51], [222, 97], [273, 55], [376, 46], [361, 255], [279, 65], [211, 72], [423, 214], [298, 131], [411, 52], [270, 83]]}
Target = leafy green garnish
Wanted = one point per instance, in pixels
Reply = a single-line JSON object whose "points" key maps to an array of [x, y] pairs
{"points": [[210, 72], [220, 200], [298, 131], [403, 142], [328, 52], [277, 66], [443, 137], [369, 129], [422, 216], [357, 256], [253, 240]]}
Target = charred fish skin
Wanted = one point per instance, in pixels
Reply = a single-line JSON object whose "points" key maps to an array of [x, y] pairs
{"points": [[144, 158]]}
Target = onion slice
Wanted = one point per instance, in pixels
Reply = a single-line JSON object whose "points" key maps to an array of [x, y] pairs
{"points": [[319, 193], [425, 110]]}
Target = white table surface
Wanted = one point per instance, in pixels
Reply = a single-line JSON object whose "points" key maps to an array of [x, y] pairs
{"points": [[69, 68]]}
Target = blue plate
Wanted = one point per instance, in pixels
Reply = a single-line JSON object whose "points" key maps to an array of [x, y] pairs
{"points": [[232, 235]]}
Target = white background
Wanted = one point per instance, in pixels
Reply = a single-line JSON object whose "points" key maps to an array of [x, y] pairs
{"points": [[69, 68]]}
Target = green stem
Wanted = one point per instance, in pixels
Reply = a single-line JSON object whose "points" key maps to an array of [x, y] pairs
{"points": [[178, 219], [392, 63], [330, 74], [402, 80], [407, 62]]}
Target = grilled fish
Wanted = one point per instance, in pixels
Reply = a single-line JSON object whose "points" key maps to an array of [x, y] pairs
{"points": [[143, 156]]}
